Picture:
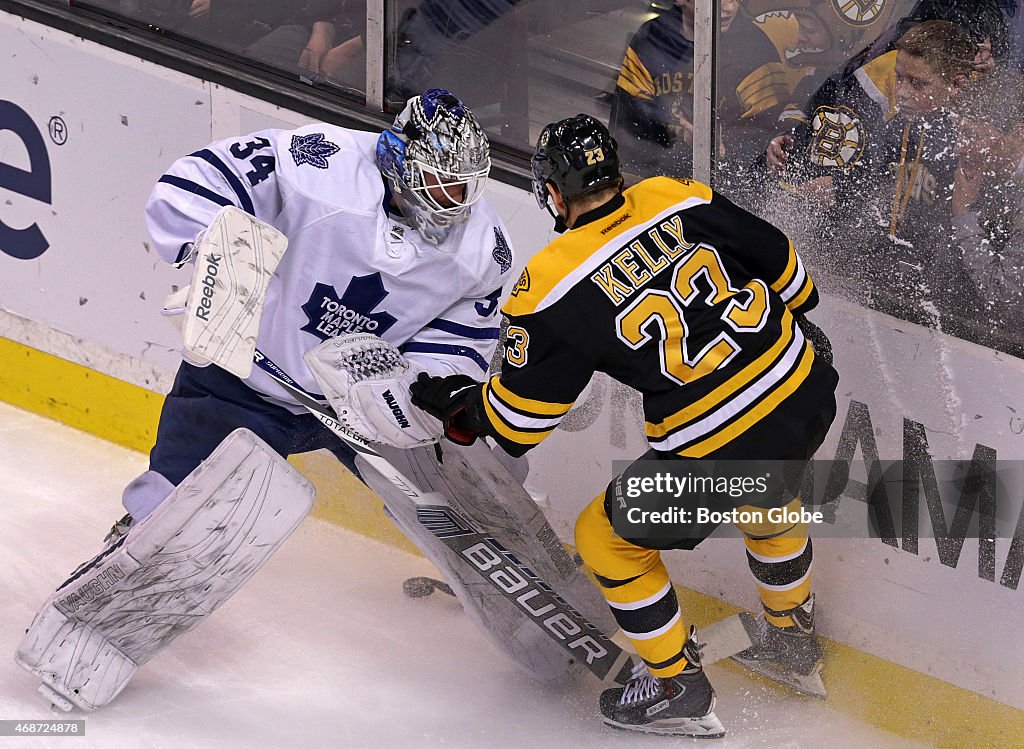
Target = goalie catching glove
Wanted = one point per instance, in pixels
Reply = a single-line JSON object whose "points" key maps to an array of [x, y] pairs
{"points": [[454, 400], [366, 380]]}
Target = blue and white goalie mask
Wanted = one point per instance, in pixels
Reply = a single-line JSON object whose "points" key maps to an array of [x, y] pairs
{"points": [[437, 158]]}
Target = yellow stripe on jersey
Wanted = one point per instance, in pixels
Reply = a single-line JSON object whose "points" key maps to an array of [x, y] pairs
{"points": [[878, 79], [787, 275], [577, 253], [724, 391], [800, 298], [634, 78], [768, 86], [527, 406], [506, 430], [757, 413]]}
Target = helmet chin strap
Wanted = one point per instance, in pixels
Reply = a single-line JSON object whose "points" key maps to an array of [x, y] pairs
{"points": [[560, 226]]}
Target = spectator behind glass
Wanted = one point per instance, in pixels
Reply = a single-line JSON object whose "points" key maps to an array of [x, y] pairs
{"points": [[425, 32], [877, 158], [828, 37], [307, 44], [652, 107], [296, 35], [988, 201]]}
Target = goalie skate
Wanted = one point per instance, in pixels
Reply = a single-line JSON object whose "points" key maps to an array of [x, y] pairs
{"points": [[167, 574]]}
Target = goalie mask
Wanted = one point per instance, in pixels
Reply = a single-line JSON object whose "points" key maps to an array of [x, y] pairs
{"points": [[436, 158]]}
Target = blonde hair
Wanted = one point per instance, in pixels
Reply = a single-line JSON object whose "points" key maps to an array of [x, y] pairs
{"points": [[946, 48]]}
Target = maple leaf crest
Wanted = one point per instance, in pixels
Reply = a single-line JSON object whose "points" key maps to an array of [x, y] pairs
{"points": [[312, 149], [502, 252], [330, 315]]}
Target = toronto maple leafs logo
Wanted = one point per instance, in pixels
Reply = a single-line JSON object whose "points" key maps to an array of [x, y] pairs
{"points": [[331, 316], [312, 149], [502, 252]]}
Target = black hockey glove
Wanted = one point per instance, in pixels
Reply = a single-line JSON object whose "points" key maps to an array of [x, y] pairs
{"points": [[454, 400], [819, 341]]}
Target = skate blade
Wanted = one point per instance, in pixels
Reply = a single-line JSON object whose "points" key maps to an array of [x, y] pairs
{"points": [[707, 727], [810, 684]]}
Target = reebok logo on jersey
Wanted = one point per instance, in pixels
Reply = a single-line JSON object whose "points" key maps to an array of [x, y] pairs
{"points": [[208, 282], [330, 315], [616, 222], [389, 398]]}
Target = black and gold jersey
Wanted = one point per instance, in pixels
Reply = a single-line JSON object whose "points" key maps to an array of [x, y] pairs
{"points": [[672, 290], [654, 89]]}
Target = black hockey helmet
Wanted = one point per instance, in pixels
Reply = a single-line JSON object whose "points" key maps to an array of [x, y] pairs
{"points": [[577, 155]]}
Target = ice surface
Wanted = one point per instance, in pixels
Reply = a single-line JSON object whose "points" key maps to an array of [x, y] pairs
{"points": [[321, 648]]}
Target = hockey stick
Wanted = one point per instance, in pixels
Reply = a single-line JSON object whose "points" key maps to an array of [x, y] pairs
{"points": [[499, 566], [514, 580]]}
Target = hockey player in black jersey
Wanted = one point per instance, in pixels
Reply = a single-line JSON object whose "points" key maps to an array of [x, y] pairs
{"points": [[672, 289]]}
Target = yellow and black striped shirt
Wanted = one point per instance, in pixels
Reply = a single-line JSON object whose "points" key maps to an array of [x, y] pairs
{"points": [[676, 292]]}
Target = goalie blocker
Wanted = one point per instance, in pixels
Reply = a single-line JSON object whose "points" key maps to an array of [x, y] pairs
{"points": [[166, 575]]}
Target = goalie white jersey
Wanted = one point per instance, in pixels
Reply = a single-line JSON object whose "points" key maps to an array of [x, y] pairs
{"points": [[350, 266]]}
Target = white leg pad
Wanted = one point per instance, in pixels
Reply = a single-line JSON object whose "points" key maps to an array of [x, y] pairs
{"points": [[480, 488], [172, 570]]}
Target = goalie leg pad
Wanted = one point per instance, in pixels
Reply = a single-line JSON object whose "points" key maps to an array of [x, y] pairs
{"points": [[481, 489], [168, 573]]}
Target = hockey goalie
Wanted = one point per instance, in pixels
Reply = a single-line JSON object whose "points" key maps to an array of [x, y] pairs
{"points": [[391, 256]]}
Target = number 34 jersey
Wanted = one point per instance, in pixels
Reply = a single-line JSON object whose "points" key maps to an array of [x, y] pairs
{"points": [[350, 266], [677, 292]]}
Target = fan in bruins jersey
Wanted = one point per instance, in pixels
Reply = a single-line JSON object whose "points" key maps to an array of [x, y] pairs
{"points": [[652, 106], [673, 290], [882, 143]]}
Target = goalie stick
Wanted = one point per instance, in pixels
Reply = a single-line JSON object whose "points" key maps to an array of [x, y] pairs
{"points": [[500, 567], [513, 579]]}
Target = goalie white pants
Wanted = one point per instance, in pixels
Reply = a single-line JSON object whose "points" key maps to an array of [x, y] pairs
{"points": [[482, 489]]}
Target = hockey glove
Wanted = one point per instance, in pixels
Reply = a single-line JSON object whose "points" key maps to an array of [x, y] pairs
{"points": [[455, 400], [366, 380], [819, 341]]}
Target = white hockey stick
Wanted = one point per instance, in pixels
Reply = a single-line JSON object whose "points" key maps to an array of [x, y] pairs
{"points": [[513, 579]]}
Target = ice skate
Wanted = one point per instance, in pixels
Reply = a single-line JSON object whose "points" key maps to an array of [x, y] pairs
{"points": [[788, 655], [682, 705]]}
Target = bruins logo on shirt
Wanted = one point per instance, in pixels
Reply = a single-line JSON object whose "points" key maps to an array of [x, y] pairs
{"points": [[859, 12], [523, 284], [837, 138]]}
